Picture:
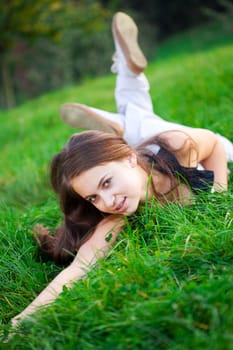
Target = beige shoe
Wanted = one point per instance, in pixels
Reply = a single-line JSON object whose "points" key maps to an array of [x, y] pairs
{"points": [[125, 33], [83, 117]]}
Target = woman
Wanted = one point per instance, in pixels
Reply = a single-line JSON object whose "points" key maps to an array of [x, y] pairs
{"points": [[100, 178], [135, 120]]}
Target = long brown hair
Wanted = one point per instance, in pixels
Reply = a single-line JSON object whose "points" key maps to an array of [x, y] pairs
{"points": [[158, 153], [82, 152]]}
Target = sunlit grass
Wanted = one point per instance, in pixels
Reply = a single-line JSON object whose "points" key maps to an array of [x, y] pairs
{"points": [[167, 282]]}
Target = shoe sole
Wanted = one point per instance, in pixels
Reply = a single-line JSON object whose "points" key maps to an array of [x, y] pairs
{"points": [[125, 32], [81, 117]]}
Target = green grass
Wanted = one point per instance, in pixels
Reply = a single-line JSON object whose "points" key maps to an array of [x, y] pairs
{"points": [[167, 284], [196, 39]]}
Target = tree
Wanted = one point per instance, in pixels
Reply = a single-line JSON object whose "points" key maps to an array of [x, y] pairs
{"points": [[27, 21], [171, 16]]}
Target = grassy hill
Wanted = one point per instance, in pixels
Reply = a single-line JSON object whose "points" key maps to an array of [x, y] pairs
{"points": [[167, 283]]}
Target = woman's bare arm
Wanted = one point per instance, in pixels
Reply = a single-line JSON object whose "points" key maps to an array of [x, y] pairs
{"points": [[92, 250], [212, 155], [209, 152]]}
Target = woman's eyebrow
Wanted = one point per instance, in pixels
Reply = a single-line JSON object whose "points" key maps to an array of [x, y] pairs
{"points": [[101, 181], [98, 186]]}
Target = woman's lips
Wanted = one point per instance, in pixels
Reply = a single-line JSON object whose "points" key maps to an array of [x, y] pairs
{"points": [[122, 206]]}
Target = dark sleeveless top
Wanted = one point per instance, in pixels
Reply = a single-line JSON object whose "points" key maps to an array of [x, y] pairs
{"points": [[197, 180]]}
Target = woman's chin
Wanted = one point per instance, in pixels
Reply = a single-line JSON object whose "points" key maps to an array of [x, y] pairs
{"points": [[131, 211]]}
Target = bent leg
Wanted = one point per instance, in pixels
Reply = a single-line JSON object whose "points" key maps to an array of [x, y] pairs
{"points": [[84, 117], [132, 89], [131, 84]]}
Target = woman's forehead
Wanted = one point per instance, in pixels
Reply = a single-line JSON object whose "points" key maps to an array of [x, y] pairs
{"points": [[89, 180]]}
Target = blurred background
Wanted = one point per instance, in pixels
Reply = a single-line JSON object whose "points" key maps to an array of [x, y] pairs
{"points": [[49, 44]]}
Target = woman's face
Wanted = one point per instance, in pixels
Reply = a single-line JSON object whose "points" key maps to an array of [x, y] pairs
{"points": [[115, 187]]}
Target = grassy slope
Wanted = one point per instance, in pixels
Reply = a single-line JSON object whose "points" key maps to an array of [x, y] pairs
{"points": [[167, 282]]}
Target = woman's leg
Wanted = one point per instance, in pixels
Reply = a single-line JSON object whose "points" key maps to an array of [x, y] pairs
{"points": [[132, 94], [132, 87], [81, 116], [131, 84]]}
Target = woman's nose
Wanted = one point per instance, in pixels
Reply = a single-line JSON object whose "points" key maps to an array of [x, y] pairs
{"points": [[109, 200]]}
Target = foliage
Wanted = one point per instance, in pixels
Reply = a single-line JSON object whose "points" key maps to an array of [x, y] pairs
{"points": [[72, 39], [173, 16], [83, 47], [225, 18], [24, 22], [167, 282]]}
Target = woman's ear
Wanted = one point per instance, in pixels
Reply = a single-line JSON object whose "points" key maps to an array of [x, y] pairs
{"points": [[132, 158]]}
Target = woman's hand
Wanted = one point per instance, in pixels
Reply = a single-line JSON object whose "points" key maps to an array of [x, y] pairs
{"points": [[95, 248]]}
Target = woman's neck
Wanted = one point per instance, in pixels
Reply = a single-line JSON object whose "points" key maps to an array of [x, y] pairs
{"points": [[152, 183], [146, 187], [161, 184]]}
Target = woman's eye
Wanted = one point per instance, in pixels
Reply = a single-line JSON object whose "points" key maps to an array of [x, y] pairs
{"points": [[106, 183], [91, 199]]}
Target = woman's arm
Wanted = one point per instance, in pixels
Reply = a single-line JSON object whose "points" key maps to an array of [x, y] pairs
{"points": [[92, 250], [217, 161], [204, 147], [212, 155]]}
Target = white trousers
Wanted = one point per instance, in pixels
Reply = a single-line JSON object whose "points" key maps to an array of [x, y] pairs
{"points": [[135, 111]]}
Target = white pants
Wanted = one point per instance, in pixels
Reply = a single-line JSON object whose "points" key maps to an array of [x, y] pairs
{"points": [[135, 111]]}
